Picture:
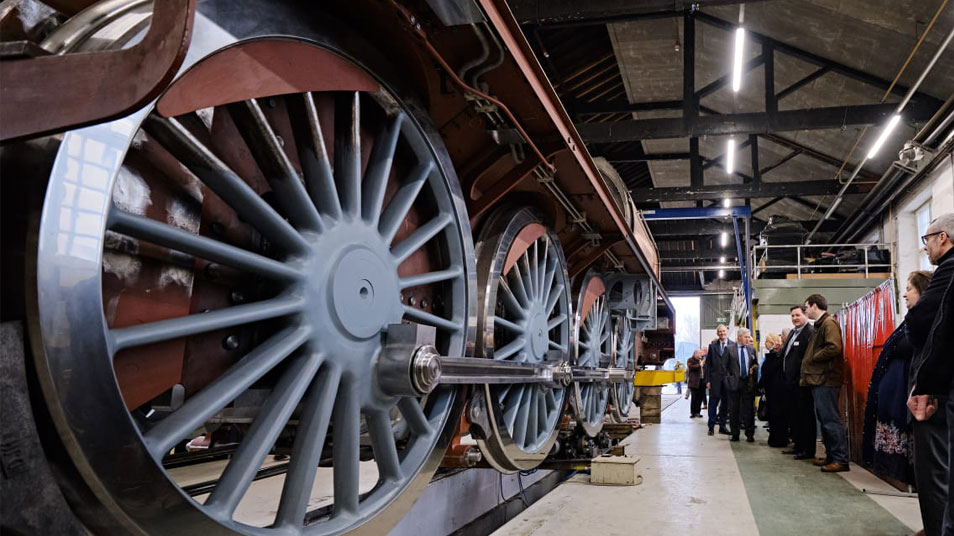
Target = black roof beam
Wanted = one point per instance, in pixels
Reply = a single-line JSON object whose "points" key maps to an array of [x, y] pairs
{"points": [[747, 123], [735, 191], [564, 13], [666, 230]]}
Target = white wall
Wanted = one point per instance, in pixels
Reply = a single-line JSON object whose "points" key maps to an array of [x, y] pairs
{"points": [[899, 228], [771, 324]]}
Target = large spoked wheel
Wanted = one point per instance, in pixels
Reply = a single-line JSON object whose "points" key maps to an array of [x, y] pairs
{"points": [[625, 358], [594, 350], [239, 263], [524, 316]]}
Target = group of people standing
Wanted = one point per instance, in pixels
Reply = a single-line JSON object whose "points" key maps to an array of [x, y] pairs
{"points": [[910, 411]]}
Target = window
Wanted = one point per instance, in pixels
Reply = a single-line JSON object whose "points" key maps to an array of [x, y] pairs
{"points": [[923, 215]]}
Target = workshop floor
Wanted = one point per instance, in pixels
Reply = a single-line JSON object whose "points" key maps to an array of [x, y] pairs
{"points": [[693, 483]]}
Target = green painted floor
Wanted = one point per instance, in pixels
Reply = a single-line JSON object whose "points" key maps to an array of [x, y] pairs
{"points": [[791, 496]]}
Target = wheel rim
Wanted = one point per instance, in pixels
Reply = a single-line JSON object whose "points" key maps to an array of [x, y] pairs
{"points": [[594, 349], [333, 274], [524, 317], [624, 358]]}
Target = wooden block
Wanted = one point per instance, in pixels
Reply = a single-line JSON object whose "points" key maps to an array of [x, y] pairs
{"points": [[614, 471]]}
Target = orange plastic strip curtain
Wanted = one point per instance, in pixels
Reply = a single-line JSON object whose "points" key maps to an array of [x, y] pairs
{"points": [[865, 325]]}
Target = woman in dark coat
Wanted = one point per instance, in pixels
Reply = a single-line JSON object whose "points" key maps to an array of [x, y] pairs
{"points": [[887, 440], [697, 389], [770, 383]]}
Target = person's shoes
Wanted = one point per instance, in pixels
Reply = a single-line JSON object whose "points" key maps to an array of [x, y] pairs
{"points": [[723, 431], [792, 451], [835, 468], [705, 406], [711, 432], [750, 439], [777, 445], [803, 456], [820, 462], [734, 438]]}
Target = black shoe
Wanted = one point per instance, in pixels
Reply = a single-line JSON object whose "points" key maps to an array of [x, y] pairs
{"points": [[711, 432], [803, 456], [792, 451], [750, 439], [734, 438], [723, 431]]}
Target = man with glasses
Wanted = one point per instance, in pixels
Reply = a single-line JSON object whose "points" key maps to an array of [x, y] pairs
{"points": [[931, 399]]}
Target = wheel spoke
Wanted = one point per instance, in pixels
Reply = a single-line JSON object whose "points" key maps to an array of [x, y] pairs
{"points": [[551, 400], [512, 406], [528, 276], [510, 301], [510, 348], [514, 328], [531, 416], [348, 152], [174, 238], [346, 436], [382, 441], [431, 277], [309, 441], [542, 270], [541, 411], [315, 164], [431, 319], [173, 328], [197, 410], [274, 163], [413, 413], [518, 285], [556, 321], [224, 182], [403, 200], [269, 422], [557, 346], [420, 237], [554, 297], [379, 168], [523, 413], [548, 280]]}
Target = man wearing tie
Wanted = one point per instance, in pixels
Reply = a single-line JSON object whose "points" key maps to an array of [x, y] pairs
{"points": [[799, 408], [741, 371], [714, 373]]}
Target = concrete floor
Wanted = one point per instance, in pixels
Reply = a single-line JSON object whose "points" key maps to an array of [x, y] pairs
{"points": [[693, 482]]}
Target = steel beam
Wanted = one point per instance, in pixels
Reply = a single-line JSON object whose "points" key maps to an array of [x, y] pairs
{"points": [[680, 214], [705, 229], [735, 191], [593, 12], [697, 254], [747, 123]]}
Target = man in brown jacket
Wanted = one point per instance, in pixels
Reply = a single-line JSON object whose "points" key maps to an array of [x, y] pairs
{"points": [[823, 369]]}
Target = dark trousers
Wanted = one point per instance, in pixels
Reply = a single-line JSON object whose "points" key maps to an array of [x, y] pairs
{"points": [[948, 408], [741, 411], [695, 399], [717, 410], [802, 421], [931, 469], [833, 429]]}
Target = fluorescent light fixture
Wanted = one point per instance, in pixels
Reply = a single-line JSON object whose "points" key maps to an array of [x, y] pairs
{"points": [[721, 274], [724, 240], [895, 119], [726, 202], [737, 59], [730, 156], [721, 260]]}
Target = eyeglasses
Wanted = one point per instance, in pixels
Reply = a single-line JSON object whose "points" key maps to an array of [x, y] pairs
{"points": [[924, 238]]}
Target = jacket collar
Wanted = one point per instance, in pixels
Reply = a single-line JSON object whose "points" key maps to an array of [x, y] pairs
{"points": [[946, 257], [822, 318]]}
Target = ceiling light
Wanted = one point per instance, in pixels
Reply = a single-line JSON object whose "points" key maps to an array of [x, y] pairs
{"points": [[726, 202], [884, 135], [721, 260], [721, 274], [724, 240], [737, 59], [730, 156]]}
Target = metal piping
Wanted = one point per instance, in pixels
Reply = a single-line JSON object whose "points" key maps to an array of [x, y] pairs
{"points": [[901, 105]]}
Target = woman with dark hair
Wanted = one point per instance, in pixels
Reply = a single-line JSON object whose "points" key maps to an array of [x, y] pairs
{"points": [[887, 445]]}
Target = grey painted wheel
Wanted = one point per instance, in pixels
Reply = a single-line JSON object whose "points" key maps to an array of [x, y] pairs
{"points": [[594, 350], [327, 255], [524, 316], [624, 357]]}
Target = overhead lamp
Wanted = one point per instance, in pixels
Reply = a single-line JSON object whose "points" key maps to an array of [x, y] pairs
{"points": [[730, 156], [721, 260], [726, 202], [893, 122], [737, 59], [721, 274], [724, 240]]}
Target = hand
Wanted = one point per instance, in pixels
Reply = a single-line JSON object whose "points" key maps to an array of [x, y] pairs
{"points": [[752, 369], [922, 406]]}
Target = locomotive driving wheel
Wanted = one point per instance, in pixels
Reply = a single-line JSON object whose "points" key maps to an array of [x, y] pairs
{"points": [[594, 349], [523, 316], [625, 358], [237, 262]]}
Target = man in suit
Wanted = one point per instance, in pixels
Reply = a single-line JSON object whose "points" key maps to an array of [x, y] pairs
{"points": [[739, 386], [823, 369], [714, 373], [799, 409]]}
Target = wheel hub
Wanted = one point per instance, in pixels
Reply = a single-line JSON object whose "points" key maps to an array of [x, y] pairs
{"points": [[362, 292], [537, 328]]}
